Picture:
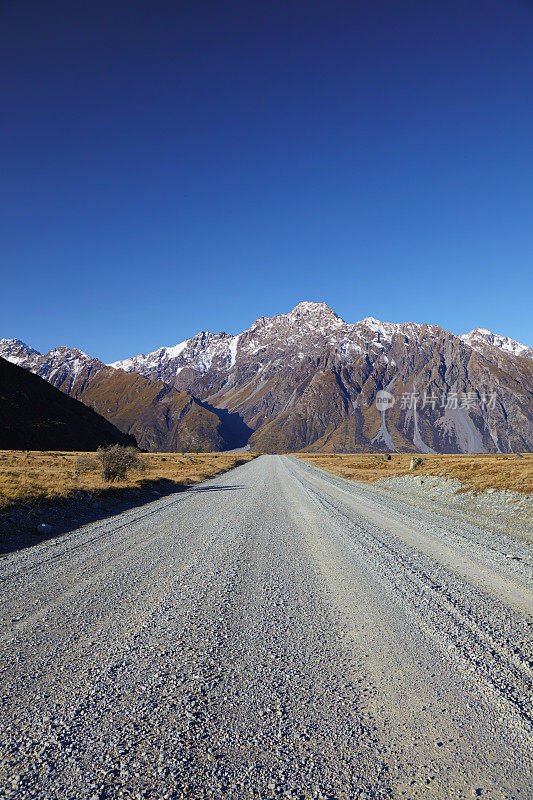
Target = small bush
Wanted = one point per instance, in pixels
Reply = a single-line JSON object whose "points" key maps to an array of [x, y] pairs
{"points": [[117, 461]]}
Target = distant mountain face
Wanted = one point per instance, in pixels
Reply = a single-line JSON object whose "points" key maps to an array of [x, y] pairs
{"points": [[36, 416], [309, 380]]}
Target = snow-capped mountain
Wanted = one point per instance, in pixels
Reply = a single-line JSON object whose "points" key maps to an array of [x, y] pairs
{"points": [[197, 352], [308, 379], [480, 338], [61, 366], [308, 328], [17, 352]]}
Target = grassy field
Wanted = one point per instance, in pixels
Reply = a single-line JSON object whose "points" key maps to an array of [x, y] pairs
{"points": [[31, 477], [477, 472]]}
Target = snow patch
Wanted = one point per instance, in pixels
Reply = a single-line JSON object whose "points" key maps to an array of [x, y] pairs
{"points": [[233, 350], [174, 351]]}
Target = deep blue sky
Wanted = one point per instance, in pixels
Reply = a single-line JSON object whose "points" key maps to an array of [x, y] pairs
{"points": [[175, 166]]}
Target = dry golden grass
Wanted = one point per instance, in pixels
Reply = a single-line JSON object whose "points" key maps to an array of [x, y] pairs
{"points": [[477, 472], [33, 477]]}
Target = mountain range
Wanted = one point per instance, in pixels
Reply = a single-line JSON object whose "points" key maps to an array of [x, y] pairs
{"points": [[308, 380]]}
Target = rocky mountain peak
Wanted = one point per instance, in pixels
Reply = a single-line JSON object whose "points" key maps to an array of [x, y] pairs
{"points": [[16, 351], [67, 352], [371, 322], [480, 338], [17, 343], [306, 313], [318, 314], [307, 307]]}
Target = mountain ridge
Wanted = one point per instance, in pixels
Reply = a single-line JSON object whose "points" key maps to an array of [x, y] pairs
{"points": [[303, 309], [307, 379]]}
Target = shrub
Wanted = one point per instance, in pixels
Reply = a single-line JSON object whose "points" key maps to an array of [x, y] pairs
{"points": [[117, 460]]}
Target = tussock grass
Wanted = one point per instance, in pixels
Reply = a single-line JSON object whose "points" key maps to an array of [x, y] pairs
{"points": [[477, 472], [31, 477]]}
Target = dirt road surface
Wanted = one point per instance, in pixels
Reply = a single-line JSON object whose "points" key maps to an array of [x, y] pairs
{"points": [[273, 632]]}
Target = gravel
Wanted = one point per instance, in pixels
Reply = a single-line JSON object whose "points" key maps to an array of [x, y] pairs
{"points": [[263, 636], [502, 511]]}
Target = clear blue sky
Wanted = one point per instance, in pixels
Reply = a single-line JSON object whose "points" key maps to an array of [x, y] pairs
{"points": [[173, 166]]}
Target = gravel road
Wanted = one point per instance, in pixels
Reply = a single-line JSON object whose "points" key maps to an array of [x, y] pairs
{"points": [[273, 632]]}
